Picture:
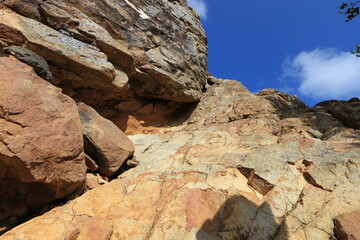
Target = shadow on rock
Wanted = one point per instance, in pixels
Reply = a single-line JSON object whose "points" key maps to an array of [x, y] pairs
{"points": [[154, 114], [239, 218]]}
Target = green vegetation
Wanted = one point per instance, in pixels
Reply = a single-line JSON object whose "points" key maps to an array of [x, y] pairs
{"points": [[352, 10]]}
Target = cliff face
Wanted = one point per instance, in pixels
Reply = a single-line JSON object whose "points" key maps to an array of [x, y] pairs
{"points": [[110, 50], [215, 161]]}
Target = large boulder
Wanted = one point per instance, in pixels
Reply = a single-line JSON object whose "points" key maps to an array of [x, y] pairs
{"points": [[241, 167], [104, 48], [41, 147], [104, 142]]}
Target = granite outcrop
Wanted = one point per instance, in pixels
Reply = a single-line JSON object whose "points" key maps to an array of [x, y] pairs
{"points": [[111, 128], [247, 169]]}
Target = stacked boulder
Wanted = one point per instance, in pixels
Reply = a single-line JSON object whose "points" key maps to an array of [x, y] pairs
{"points": [[216, 161], [54, 54]]}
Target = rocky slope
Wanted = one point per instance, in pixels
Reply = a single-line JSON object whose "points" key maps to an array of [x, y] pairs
{"points": [[213, 160]]}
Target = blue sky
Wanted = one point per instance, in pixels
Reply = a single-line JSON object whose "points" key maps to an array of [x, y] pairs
{"points": [[300, 47]]}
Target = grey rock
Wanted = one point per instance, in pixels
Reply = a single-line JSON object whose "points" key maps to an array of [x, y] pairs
{"points": [[160, 45], [40, 66]]}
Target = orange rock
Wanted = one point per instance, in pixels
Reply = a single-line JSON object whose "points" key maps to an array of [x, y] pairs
{"points": [[241, 167], [105, 143], [95, 229], [41, 149]]}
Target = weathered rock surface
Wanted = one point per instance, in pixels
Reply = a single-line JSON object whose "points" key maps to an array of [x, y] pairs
{"points": [[107, 50], [241, 167], [41, 148], [104, 142], [282, 102], [347, 227], [40, 66], [348, 112], [235, 165], [93, 180]]}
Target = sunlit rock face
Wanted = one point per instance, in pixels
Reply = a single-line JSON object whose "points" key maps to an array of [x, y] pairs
{"points": [[242, 166], [213, 160], [113, 49]]}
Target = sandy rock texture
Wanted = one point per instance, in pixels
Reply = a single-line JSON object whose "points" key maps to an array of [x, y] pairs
{"points": [[41, 147], [240, 167]]}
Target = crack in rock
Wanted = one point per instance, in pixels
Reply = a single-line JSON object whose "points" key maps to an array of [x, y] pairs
{"points": [[255, 181]]}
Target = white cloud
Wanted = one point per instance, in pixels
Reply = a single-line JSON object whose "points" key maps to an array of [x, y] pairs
{"points": [[325, 74], [200, 7]]}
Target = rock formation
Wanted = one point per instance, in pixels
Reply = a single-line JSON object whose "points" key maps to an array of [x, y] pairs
{"points": [[346, 111], [113, 49], [105, 143], [41, 148], [215, 161]]}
